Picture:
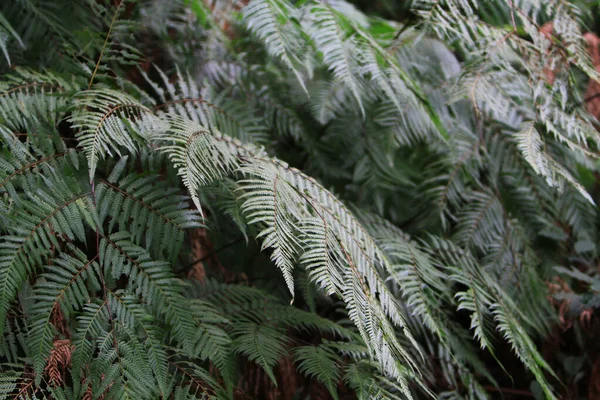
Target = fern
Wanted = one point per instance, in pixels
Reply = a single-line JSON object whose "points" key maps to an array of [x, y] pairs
{"points": [[264, 17], [319, 362], [410, 188], [102, 117], [260, 343], [328, 35]]}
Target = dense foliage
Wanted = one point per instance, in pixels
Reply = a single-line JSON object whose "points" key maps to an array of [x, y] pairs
{"points": [[299, 199]]}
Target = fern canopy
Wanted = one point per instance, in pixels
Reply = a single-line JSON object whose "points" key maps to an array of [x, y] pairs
{"points": [[298, 199]]}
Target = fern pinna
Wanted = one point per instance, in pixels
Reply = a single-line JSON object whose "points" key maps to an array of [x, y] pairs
{"points": [[292, 199]]}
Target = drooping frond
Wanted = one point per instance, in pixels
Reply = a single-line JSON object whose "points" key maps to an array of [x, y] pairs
{"points": [[44, 215], [260, 343], [445, 126], [319, 362], [162, 292], [303, 198], [198, 157], [156, 215], [106, 122], [269, 20], [486, 299], [27, 93], [329, 37]]}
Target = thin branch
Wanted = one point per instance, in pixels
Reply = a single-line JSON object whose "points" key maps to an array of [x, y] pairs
{"points": [[211, 254]]}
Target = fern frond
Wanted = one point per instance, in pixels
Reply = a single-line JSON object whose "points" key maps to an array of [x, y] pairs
{"points": [[303, 197], [132, 316], [321, 363], [27, 162], [195, 380], [260, 343], [160, 215], [361, 378], [66, 288], [26, 94], [92, 325], [104, 118], [531, 145], [43, 218], [356, 249], [198, 157], [486, 297], [329, 37], [481, 220], [273, 209], [477, 303], [152, 280], [420, 281], [268, 19], [211, 341], [208, 107], [523, 346]]}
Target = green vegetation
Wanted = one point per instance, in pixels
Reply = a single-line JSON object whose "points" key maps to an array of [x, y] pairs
{"points": [[304, 199]]}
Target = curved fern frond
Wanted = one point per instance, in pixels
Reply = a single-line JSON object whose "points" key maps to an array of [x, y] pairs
{"points": [[368, 299], [486, 298], [260, 343], [104, 118], [27, 93], [267, 19], [321, 363], [30, 158], [65, 289], [197, 156], [42, 220], [357, 254], [329, 37], [153, 280], [160, 215]]}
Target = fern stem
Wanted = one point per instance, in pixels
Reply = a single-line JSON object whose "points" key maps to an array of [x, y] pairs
{"points": [[32, 165], [112, 22]]}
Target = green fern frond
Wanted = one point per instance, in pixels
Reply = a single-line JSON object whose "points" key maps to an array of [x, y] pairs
{"points": [[211, 341], [65, 289], [153, 280], [27, 93], [26, 163], [356, 249], [269, 20], [321, 363], [329, 37], [156, 214], [463, 124], [132, 317], [42, 218], [103, 118], [199, 158], [196, 382], [523, 346], [260, 343]]}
